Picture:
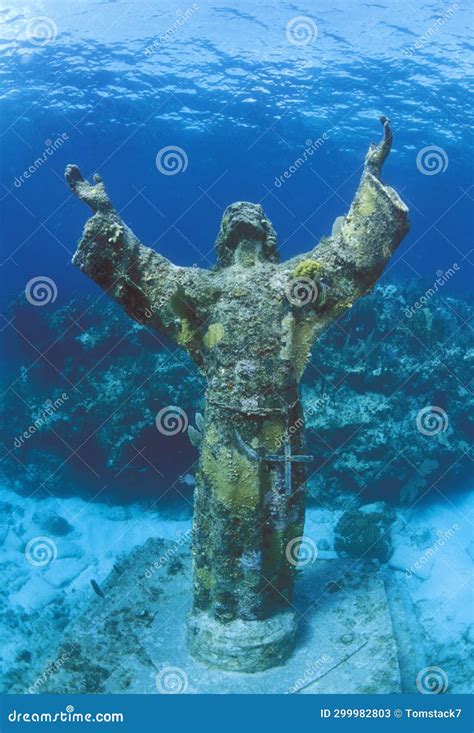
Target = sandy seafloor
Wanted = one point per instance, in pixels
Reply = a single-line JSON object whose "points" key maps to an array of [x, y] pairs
{"points": [[39, 600]]}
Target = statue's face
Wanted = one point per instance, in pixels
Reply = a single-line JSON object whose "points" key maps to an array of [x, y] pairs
{"points": [[246, 236], [244, 220]]}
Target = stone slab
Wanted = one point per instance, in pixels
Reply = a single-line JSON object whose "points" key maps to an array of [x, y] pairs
{"points": [[410, 651], [133, 640]]}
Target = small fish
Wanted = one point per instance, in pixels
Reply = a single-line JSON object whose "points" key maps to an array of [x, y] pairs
{"points": [[247, 449], [97, 589], [187, 479], [337, 225]]}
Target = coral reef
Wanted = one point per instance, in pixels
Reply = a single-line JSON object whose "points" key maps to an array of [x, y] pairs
{"points": [[116, 376]]}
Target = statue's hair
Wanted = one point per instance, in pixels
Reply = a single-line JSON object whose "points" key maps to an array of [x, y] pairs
{"points": [[226, 241]]}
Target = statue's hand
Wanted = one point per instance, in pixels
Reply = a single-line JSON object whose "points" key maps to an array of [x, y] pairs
{"points": [[378, 153], [94, 196]]}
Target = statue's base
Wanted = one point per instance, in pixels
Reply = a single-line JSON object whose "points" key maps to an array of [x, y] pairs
{"points": [[242, 646], [133, 640]]}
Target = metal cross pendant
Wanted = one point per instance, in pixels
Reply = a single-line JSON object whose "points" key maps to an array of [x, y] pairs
{"points": [[287, 458]]}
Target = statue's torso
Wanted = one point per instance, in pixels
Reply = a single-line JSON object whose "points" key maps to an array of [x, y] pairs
{"points": [[253, 351]]}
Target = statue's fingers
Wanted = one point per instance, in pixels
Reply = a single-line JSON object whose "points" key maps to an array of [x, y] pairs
{"points": [[94, 196], [73, 176], [387, 129]]}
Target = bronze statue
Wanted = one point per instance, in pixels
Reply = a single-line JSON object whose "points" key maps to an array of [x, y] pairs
{"points": [[249, 324]]}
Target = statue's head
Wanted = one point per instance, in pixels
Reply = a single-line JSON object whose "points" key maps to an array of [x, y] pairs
{"points": [[245, 235]]}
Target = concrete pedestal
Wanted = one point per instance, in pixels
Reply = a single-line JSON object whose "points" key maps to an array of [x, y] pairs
{"points": [[134, 639], [242, 646]]}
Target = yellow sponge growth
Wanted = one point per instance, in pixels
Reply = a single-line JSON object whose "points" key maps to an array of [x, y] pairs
{"points": [[309, 268], [213, 335]]}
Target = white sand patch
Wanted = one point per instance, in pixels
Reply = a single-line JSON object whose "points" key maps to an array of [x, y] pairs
{"points": [[52, 549]]}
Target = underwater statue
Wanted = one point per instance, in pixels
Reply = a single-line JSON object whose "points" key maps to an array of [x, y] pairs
{"points": [[250, 325]]}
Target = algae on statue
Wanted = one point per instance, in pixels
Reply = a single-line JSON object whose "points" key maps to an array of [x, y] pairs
{"points": [[249, 325]]}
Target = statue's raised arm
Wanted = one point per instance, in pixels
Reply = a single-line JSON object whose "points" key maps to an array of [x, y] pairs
{"points": [[150, 288], [347, 264]]}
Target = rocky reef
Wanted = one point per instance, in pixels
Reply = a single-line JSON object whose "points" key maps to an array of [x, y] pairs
{"points": [[387, 401], [105, 378]]}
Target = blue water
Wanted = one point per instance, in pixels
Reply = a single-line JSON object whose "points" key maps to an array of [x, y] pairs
{"points": [[228, 88]]}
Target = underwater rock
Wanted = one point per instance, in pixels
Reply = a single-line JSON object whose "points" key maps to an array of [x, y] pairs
{"points": [[8, 511], [53, 524], [39, 600], [469, 635], [365, 532], [68, 549], [12, 541]]}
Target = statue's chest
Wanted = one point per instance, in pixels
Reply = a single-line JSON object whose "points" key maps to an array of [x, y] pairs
{"points": [[252, 305], [255, 328], [250, 318], [249, 348]]}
